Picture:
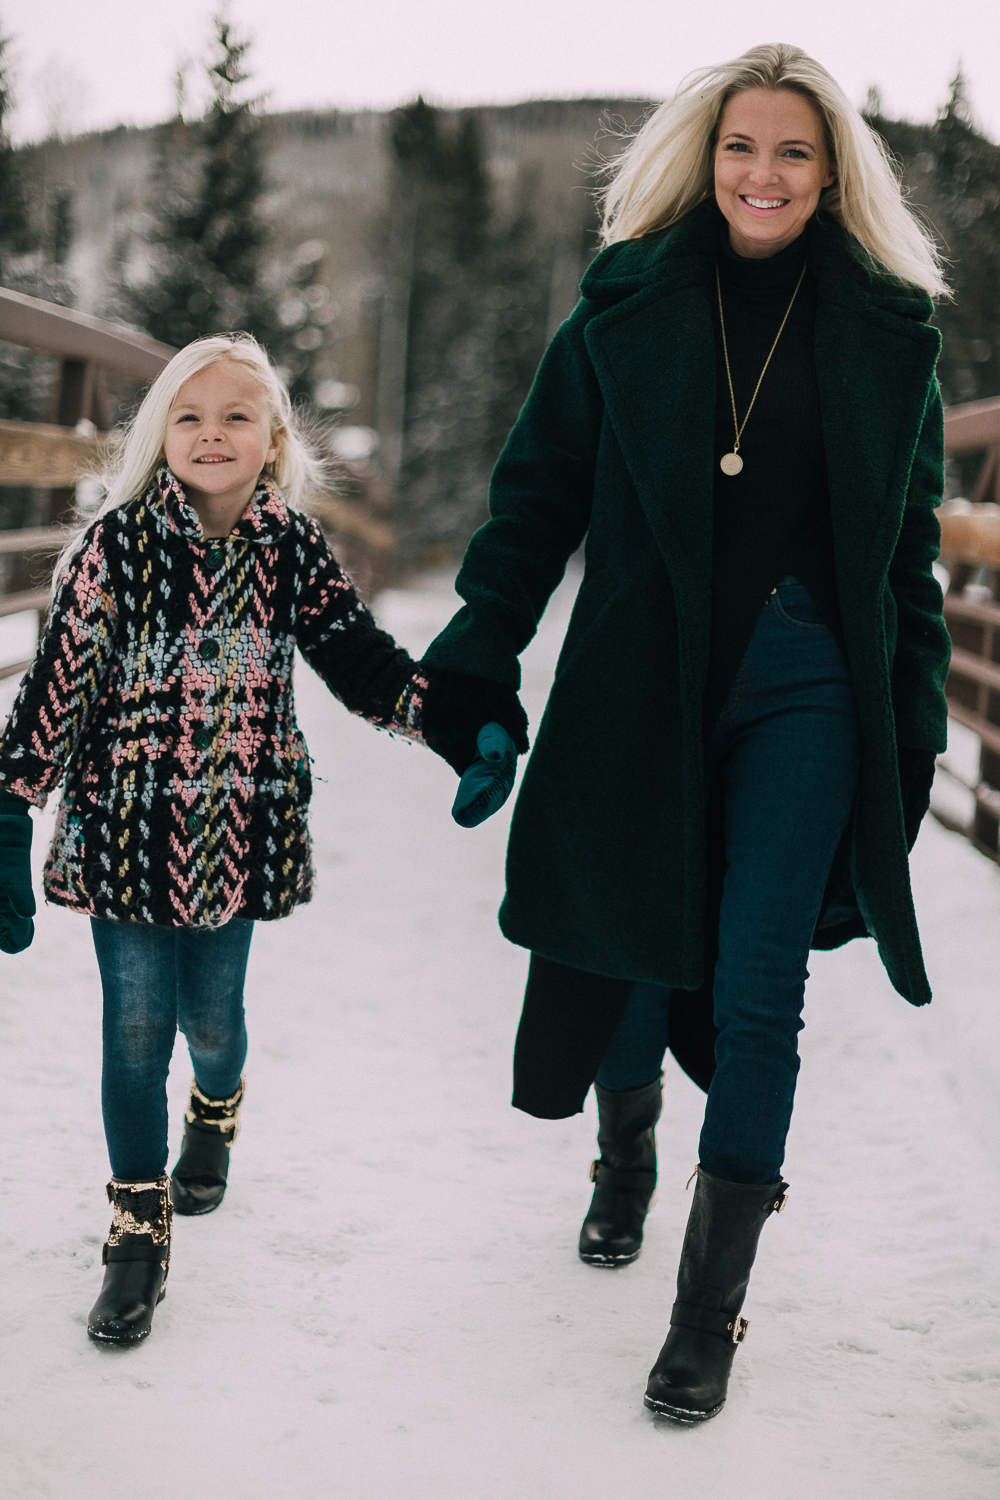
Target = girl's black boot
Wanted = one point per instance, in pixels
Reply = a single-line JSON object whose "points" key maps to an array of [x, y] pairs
{"points": [[198, 1182], [624, 1175], [136, 1257], [691, 1375]]}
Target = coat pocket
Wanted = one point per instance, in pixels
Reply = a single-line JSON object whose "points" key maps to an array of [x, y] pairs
{"points": [[299, 766]]}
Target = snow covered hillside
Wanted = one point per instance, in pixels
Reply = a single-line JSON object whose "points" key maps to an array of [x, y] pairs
{"points": [[389, 1302]]}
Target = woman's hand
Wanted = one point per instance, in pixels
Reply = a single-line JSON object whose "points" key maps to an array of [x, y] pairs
{"points": [[457, 706], [17, 901], [488, 782]]}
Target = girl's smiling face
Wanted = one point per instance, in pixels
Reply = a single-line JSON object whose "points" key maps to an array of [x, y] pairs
{"points": [[771, 164], [218, 440]]}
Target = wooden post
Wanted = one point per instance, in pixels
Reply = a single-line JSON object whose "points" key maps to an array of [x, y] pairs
{"points": [[71, 401]]}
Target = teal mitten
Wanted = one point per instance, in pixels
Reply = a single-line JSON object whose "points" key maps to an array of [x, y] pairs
{"points": [[17, 900], [486, 785]]}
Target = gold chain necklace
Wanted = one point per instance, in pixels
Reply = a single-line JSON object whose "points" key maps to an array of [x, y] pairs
{"points": [[731, 463]]}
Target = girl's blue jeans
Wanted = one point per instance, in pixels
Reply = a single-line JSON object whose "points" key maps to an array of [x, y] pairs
{"points": [[785, 756], [156, 980]]}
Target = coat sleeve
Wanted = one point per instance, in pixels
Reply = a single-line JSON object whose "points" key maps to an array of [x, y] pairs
{"points": [[360, 664], [540, 503], [923, 647], [65, 680]]}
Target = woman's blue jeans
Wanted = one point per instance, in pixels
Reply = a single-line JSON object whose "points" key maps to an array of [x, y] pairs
{"points": [[785, 756], [156, 980]]}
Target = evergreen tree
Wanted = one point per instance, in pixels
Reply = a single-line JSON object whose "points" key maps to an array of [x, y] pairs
{"points": [[966, 187], [951, 172], [461, 327], [25, 266], [207, 236], [14, 225], [26, 376], [208, 270]]}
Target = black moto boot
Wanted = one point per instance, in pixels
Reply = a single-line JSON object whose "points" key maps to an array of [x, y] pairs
{"points": [[136, 1257], [624, 1175], [198, 1182], [690, 1377]]}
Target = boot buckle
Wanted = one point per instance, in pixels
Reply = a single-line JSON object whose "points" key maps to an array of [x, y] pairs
{"points": [[738, 1330]]}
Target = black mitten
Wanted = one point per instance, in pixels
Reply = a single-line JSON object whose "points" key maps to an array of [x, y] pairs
{"points": [[916, 774], [456, 706], [17, 900]]}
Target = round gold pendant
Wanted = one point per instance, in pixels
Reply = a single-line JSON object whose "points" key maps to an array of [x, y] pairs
{"points": [[730, 463]]}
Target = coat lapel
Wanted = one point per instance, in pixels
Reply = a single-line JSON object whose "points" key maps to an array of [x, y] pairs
{"points": [[875, 370], [656, 366], [653, 351]]}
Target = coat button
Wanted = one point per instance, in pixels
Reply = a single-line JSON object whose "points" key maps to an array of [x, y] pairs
{"points": [[209, 650], [194, 823], [202, 739], [215, 557]]}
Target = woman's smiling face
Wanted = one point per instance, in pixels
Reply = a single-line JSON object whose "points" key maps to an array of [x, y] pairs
{"points": [[771, 164]]}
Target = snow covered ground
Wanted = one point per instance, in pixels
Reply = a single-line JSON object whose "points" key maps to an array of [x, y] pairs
{"points": [[389, 1302]]}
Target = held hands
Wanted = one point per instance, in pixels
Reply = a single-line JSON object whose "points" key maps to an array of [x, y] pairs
{"points": [[455, 708], [479, 727], [17, 901], [486, 785]]}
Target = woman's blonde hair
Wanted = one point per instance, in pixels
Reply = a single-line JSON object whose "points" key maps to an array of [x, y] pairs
{"points": [[668, 166], [138, 453]]}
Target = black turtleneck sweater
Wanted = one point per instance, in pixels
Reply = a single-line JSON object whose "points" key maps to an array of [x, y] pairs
{"points": [[772, 519]]}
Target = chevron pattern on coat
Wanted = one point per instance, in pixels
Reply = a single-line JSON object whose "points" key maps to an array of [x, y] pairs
{"points": [[162, 696]]}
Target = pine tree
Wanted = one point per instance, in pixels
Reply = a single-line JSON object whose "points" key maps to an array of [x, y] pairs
{"points": [[966, 179], [952, 174], [207, 237], [15, 232], [208, 242], [25, 266], [462, 325]]}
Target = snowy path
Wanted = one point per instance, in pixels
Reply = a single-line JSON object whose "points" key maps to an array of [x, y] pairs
{"points": [[389, 1302]]}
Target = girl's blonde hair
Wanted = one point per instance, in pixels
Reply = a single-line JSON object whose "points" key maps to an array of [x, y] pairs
{"points": [[668, 167], [138, 453]]}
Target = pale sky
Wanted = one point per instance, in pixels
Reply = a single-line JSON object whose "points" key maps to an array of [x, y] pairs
{"points": [[86, 64]]}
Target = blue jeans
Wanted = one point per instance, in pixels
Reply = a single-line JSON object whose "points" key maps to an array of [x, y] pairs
{"points": [[155, 980], [784, 756]]}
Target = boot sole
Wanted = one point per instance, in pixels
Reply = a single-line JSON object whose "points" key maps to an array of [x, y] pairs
{"points": [[195, 1213], [610, 1262], [192, 1213], [680, 1413], [128, 1338]]}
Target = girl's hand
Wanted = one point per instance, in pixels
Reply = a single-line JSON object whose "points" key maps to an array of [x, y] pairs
{"points": [[455, 708], [486, 785], [17, 900]]}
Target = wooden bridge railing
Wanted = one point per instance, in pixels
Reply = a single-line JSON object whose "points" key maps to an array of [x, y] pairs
{"points": [[970, 547], [53, 456]]}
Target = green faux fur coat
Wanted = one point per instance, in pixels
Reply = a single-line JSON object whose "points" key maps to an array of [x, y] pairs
{"points": [[606, 866]]}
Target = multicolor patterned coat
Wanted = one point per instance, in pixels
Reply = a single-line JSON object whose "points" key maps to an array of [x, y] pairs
{"points": [[162, 693]]}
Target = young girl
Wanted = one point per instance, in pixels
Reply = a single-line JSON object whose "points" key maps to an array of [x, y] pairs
{"points": [[162, 696]]}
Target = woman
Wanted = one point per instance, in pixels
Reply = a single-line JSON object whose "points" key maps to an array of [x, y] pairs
{"points": [[742, 417]]}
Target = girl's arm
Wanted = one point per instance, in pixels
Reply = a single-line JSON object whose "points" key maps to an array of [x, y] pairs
{"points": [[373, 677], [65, 679], [360, 664], [540, 503]]}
